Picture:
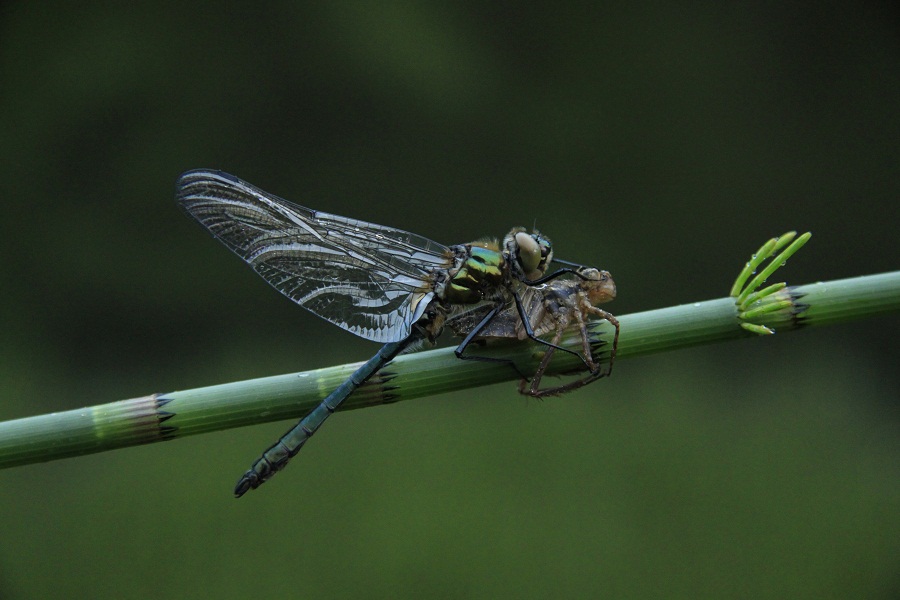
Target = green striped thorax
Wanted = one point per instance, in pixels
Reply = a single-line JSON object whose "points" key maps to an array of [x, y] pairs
{"points": [[482, 269]]}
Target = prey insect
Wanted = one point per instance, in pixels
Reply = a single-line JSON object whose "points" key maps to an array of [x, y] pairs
{"points": [[552, 307]]}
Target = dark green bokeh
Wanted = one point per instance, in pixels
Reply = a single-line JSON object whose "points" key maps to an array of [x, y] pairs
{"points": [[660, 142]]}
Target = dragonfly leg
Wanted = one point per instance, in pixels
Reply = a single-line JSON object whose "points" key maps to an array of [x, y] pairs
{"points": [[568, 263], [596, 371], [560, 389], [534, 389], [585, 341], [554, 275], [529, 331], [615, 323], [461, 349]]}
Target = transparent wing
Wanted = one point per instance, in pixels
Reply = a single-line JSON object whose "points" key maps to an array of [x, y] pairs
{"points": [[371, 280]]}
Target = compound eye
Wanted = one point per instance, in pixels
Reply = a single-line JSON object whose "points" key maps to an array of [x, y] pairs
{"points": [[530, 253], [546, 252]]}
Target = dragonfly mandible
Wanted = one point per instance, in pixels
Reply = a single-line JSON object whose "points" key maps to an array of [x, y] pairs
{"points": [[380, 283], [551, 307]]}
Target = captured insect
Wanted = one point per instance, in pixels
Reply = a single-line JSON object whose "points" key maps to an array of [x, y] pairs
{"points": [[551, 307], [380, 283]]}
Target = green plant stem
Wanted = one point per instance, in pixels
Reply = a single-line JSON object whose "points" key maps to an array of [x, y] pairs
{"points": [[161, 417]]}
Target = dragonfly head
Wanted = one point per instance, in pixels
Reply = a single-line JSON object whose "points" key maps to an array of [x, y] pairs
{"points": [[529, 254]]}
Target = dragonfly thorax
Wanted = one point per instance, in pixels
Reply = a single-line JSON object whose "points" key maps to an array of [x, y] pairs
{"points": [[479, 274]]}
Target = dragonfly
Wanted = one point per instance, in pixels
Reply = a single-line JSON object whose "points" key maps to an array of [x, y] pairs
{"points": [[551, 307], [380, 283]]}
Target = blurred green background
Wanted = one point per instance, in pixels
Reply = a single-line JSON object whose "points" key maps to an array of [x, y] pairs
{"points": [[662, 142]]}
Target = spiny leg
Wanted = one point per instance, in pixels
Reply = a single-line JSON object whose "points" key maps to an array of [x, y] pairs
{"points": [[534, 389], [595, 370], [585, 342], [542, 367], [567, 387], [615, 323], [461, 349], [529, 331], [556, 274]]}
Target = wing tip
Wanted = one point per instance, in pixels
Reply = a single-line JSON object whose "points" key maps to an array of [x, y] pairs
{"points": [[195, 182]]}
